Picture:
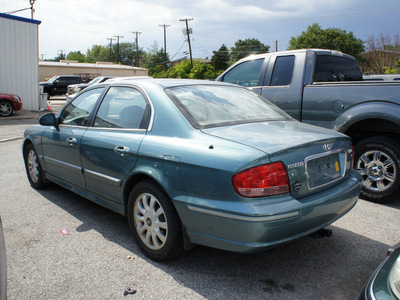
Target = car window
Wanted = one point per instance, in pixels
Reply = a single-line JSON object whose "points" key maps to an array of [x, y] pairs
{"points": [[333, 68], [245, 74], [208, 106], [78, 111], [122, 107], [283, 70]]}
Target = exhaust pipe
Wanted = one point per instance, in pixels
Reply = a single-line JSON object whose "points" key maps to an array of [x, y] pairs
{"points": [[322, 233]]}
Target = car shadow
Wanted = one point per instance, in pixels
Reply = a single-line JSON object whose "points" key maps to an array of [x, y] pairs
{"points": [[328, 268]]}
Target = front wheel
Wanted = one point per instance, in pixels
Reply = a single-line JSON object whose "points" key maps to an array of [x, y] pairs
{"points": [[6, 108], [33, 168], [377, 159], [154, 222]]}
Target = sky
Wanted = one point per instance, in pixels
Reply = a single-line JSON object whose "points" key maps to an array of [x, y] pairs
{"points": [[73, 25]]}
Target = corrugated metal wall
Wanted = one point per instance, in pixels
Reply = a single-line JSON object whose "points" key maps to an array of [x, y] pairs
{"points": [[19, 59]]}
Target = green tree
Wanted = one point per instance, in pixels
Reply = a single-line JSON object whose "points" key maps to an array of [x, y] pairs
{"points": [[97, 53], [220, 59], [77, 55], [199, 71], [330, 38], [246, 48], [155, 61]]}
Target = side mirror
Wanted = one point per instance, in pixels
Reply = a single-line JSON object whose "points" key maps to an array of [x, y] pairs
{"points": [[48, 120]]}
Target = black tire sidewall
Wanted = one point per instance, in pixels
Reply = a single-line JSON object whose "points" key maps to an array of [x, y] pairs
{"points": [[174, 244], [391, 148], [11, 107]]}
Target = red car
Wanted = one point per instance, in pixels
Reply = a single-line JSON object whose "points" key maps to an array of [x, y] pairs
{"points": [[9, 103]]}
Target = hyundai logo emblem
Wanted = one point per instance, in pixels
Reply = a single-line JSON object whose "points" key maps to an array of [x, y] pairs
{"points": [[327, 147]]}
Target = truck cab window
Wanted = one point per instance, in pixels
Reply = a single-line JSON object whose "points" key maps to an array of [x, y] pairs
{"points": [[334, 68], [283, 70], [245, 74]]}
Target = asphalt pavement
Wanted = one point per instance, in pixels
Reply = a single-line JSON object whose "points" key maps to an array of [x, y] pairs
{"points": [[62, 246]]}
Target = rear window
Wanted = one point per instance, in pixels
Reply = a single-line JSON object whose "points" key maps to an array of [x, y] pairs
{"points": [[212, 106], [334, 68]]}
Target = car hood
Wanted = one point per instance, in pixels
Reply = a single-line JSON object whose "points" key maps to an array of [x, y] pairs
{"points": [[276, 136]]}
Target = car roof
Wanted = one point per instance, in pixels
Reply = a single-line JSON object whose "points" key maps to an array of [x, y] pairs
{"points": [[165, 82]]}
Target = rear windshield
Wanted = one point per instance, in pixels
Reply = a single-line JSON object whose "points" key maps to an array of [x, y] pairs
{"points": [[208, 106], [334, 68]]}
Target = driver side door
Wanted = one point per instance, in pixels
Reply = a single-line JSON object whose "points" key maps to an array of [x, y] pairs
{"points": [[61, 146]]}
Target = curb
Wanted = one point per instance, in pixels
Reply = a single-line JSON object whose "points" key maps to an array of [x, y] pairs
{"points": [[11, 139]]}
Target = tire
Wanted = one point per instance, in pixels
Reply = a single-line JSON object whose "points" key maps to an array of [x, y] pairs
{"points": [[377, 159], [154, 222], [6, 108], [33, 168]]}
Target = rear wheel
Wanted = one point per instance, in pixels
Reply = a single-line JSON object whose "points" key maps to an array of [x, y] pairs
{"points": [[6, 108], [33, 168], [377, 159], [154, 222]]}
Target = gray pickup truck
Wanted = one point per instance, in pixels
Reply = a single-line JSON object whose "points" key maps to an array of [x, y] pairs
{"points": [[326, 88]]}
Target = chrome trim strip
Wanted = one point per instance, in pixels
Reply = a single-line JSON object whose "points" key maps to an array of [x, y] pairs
{"points": [[343, 165], [62, 164], [113, 180], [245, 218]]}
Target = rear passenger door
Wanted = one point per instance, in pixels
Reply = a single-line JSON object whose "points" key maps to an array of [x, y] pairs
{"points": [[109, 147], [283, 84]]}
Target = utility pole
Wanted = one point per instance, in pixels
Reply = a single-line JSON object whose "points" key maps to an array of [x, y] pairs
{"points": [[31, 2], [61, 53], [137, 47], [165, 44], [109, 55], [276, 46], [118, 37], [188, 37]]}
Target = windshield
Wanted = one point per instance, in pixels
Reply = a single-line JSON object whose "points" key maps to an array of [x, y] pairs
{"points": [[208, 106], [96, 80], [52, 79]]}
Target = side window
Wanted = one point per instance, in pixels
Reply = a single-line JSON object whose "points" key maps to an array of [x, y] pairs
{"points": [[283, 70], [122, 107], [333, 68], [245, 74], [78, 111]]}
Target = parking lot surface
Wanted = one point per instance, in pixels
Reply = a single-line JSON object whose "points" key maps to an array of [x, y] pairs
{"points": [[62, 246]]}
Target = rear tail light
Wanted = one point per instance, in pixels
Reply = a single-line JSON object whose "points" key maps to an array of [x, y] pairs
{"points": [[266, 180]]}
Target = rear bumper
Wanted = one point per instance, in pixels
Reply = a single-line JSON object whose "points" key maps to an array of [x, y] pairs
{"points": [[251, 233]]}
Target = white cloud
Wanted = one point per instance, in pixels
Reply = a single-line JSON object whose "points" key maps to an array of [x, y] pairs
{"points": [[77, 25]]}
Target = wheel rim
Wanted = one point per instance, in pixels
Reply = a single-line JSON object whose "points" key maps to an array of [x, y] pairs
{"points": [[5, 108], [378, 170], [33, 166], [150, 221]]}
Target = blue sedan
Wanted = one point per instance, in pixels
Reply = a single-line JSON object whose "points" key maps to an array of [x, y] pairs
{"points": [[194, 162]]}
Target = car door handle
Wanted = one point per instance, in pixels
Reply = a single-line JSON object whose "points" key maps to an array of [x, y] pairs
{"points": [[122, 150], [71, 141]]}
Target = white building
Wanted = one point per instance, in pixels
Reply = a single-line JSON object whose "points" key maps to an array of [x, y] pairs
{"points": [[19, 55]]}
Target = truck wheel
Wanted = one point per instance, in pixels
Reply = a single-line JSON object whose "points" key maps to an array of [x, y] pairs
{"points": [[377, 159], [154, 222], [6, 108]]}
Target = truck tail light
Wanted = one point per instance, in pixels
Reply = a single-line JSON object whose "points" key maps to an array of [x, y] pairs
{"points": [[266, 180]]}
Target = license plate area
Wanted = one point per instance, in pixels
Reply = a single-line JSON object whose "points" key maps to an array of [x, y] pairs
{"points": [[325, 168]]}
